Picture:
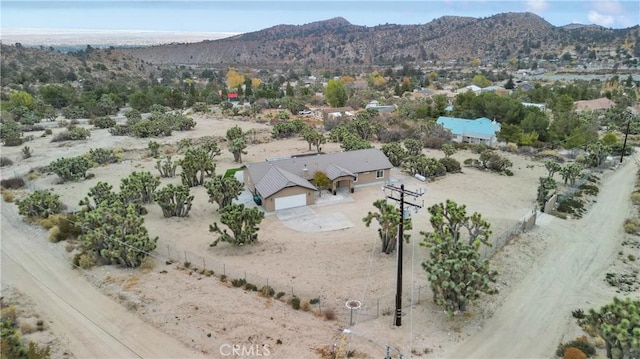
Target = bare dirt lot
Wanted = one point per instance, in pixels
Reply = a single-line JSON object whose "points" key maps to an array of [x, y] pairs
{"points": [[544, 274]]}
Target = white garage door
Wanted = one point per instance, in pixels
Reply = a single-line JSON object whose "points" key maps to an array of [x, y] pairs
{"points": [[297, 200]]}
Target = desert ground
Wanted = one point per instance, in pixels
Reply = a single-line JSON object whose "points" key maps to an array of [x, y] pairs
{"points": [[113, 312]]}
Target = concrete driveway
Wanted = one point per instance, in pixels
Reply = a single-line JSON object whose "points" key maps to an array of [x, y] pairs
{"points": [[305, 219]]}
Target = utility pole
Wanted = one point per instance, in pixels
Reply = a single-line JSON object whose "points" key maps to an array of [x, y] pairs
{"points": [[626, 134], [401, 192]]}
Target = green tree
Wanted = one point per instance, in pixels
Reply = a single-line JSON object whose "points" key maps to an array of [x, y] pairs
{"points": [[40, 204], [448, 150], [237, 143], [457, 274], [547, 184], [70, 169], [175, 201], [223, 190], [413, 146], [336, 93], [116, 234], [570, 173], [552, 167], [11, 133], [388, 217], [138, 187], [618, 324], [243, 223], [394, 152], [321, 181], [195, 164], [352, 142], [313, 137]]}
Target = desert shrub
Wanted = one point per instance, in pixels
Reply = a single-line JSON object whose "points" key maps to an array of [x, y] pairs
{"points": [[40, 204], [48, 132], [26, 152], [8, 196], [632, 226], [67, 227], [120, 130], [5, 162], [250, 286], [581, 344], [329, 314], [434, 142], [70, 169], [574, 353], [468, 162], [12, 183], [578, 313], [305, 305], [267, 291], [102, 156], [635, 197], [451, 164], [314, 301], [153, 147], [279, 295], [479, 148], [86, 260], [295, 303], [599, 342], [11, 133], [103, 122], [73, 133], [631, 258], [238, 282], [201, 107], [223, 278]]}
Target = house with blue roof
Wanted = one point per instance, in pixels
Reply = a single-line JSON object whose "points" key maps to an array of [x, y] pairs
{"points": [[480, 130]]}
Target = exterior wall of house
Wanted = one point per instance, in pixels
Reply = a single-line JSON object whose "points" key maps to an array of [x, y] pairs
{"points": [[269, 203], [369, 177], [247, 180]]}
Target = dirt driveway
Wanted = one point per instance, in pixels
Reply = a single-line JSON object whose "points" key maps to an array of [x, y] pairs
{"points": [[537, 312]]}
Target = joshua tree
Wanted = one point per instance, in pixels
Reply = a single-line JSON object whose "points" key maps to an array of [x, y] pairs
{"points": [[456, 272], [552, 168], [167, 168], [195, 164], [237, 143], [175, 201], [223, 190], [242, 222], [448, 150], [139, 187], [388, 217]]}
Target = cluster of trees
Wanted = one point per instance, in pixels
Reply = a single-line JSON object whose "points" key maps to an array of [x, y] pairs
{"points": [[457, 274], [159, 123], [408, 155]]}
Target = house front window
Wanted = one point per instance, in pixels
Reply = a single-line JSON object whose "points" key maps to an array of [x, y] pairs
{"points": [[380, 174], [355, 179]]}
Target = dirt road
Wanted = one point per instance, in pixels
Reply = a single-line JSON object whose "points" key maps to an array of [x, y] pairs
{"points": [[569, 275], [90, 324]]}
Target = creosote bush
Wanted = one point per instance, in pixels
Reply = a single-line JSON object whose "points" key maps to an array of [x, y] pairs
{"points": [[12, 183]]}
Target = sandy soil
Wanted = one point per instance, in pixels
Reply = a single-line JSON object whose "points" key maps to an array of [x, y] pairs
{"points": [[205, 314]]}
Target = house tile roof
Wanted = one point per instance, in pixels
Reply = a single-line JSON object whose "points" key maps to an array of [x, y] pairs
{"points": [[478, 128], [270, 177], [276, 179]]}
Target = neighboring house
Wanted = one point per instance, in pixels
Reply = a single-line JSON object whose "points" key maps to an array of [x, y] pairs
{"points": [[602, 103], [480, 130], [375, 105], [473, 88], [286, 183], [232, 96], [339, 111], [542, 107]]}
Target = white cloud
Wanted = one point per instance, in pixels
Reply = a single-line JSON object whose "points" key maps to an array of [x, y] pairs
{"points": [[610, 7], [537, 5], [600, 19]]}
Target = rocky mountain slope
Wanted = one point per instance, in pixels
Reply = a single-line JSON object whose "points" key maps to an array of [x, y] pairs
{"points": [[338, 42]]}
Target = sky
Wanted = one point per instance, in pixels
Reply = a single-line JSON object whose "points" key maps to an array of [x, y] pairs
{"points": [[245, 16]]}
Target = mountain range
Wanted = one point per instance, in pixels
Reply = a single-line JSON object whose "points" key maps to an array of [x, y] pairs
{"points": [[337, 42]]}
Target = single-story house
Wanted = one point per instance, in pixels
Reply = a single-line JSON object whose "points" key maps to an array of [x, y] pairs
{"points": [[382, 109], [480, 130], [287, 183], [601, 103]]}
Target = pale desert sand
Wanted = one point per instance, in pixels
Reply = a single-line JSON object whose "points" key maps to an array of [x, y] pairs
{"points": [[334, 266]]}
